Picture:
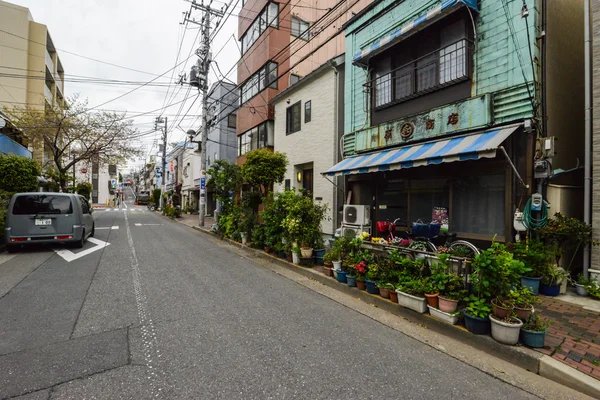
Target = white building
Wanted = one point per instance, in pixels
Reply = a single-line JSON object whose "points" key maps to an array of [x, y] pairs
{"points": [[308, 127]]}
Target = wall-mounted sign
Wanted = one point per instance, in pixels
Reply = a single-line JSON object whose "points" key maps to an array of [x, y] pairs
{"points": [[407, 130], [83, 170]]}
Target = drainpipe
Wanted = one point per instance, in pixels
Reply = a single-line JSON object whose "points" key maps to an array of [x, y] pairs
{"points": [[334, 210], [587, 185]]}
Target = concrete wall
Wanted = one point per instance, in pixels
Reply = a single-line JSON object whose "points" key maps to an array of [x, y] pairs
{"points": [[315, 143]]}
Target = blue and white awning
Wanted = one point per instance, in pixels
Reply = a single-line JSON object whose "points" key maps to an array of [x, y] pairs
{"points": [[395, 35], [462, 148]]}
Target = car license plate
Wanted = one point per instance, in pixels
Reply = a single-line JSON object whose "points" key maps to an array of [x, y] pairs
{"points": [[43, 222]]}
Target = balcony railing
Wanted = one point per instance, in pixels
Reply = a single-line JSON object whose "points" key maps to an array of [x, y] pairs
{"points": [[59, 83], [444, 67], [49, 62], [48, 93]]}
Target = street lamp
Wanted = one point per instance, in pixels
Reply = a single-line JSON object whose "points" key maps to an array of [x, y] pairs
{"points": [[191, 134]]}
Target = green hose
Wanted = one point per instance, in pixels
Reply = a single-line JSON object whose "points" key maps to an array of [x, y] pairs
{"points": [[531, 222]]}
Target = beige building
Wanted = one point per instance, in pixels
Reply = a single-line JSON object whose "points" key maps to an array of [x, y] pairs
{"points": [[31, 73]]}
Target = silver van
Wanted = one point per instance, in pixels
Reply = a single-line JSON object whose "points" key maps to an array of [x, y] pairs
{"points": [[48, 218]]}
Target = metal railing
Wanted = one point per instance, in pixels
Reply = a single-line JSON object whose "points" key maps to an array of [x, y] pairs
{"points": [[443, 67]]}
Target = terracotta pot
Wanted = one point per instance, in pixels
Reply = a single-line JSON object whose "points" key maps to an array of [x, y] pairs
{"points": [[447, 305], [432, 299], [501, 312], [393, 296], [361, 284], [328, 271], [524, 313], [384, 292]]}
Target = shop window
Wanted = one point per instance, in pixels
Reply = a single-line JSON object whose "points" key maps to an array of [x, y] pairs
{"points": [[293, 118], [478, 205]]}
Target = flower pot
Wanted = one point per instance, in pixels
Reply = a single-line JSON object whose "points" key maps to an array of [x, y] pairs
{"points": [[448, 318], [337, 265], [341, 276], [418, 304], [295, 258], [504, 332], [393, 296], [432, 299], [550, 290], [361, 284], [384, 292], [447, 305], [581, 290], [244, 236], [501, 312], [307, 252], [478, 326], [533, 338], [328, 271], [523, 313], [372, 287], [319, 253], [532, 283], [351, 280]]}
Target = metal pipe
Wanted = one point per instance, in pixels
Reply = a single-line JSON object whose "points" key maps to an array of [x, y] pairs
{"points": [[513, 167], [587, 184]]}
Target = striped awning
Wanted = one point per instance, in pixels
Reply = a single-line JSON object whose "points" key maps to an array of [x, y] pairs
{"points": [[397, 34], [462, 148]]}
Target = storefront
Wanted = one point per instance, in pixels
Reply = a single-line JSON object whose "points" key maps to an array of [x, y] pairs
{"points": [[466, 180]]}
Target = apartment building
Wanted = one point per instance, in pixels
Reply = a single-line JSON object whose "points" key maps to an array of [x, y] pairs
{"points": [[280, 43], [31, 72]]}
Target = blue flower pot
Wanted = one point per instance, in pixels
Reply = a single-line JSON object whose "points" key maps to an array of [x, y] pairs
{"points": [[532, 283], [341, 275], [550, 290], [319, 253], [372, 287], [532, 338], [351, 280], [478, 326]]}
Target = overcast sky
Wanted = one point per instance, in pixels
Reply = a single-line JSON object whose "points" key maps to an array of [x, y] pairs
{"points": [[142, 35]]}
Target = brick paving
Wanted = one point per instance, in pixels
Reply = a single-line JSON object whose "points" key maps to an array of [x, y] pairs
{"points": [[573, 336]]}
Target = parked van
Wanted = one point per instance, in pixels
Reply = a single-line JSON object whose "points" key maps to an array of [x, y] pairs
{"points": [[48, 218]]}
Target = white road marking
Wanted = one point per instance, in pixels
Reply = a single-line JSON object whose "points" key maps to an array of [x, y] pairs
{"points": [[115, 227], [138, 224], [151, 350], [107, 227], [125, 204], [70, 256]]}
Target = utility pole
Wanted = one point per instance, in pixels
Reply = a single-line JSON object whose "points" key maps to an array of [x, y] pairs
{"points": [[199, 78], [164, 157]]}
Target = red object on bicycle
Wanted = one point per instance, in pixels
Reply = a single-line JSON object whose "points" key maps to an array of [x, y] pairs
{"points": [[385, 226]]}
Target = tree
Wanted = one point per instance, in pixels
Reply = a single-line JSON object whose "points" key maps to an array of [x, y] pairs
{"points": [[18, 174], [120, 178], [76, 134], [263, 168], [226, 179], [84, 189]]}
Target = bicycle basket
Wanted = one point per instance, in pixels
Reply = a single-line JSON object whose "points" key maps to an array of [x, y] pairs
{"points": [[429, 231], [385, 226]]}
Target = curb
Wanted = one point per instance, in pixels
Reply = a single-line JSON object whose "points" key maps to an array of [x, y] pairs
{"points": [[519, 356]]}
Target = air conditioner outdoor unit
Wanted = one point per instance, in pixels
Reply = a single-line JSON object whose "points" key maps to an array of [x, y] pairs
{"points": [[357, 215], [352, 231]]}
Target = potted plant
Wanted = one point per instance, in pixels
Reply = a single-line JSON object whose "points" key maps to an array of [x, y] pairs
{"points": [[371, 277], [593, 290], [336, 254], [420, 246], [295, 254], [537, 257], [449, 318], [328, 264], [506, 330], [551, 281], [411, 294], [523, 301], [476, 315], [431, 293], [385, 289], [533, 331], [502, 307], [452, 291], [359, 272], [581, 284], [319, 246]]}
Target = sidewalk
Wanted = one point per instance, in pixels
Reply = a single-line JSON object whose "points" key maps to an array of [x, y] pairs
{"points": [[193, 220], [572, 342], [573, 335]]}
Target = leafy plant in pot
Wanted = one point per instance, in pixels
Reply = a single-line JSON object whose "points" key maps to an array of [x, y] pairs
{"points": [[476, 315], [451, 293], [533, 331], [328, 263], [506, 330], [581, 284], [552, 280], [371, 277], [537, 257], [523, 300], [411, 294]]}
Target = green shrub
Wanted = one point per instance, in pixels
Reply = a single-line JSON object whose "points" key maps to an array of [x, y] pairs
{"points": [[84, 189], [18, 174]]}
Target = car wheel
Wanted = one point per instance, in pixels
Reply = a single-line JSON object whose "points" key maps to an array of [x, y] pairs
{"points": [[11, 248], [81, 242], [93, 230]]}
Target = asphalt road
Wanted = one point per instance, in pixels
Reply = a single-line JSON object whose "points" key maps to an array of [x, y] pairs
{"points": [[164, 312]]}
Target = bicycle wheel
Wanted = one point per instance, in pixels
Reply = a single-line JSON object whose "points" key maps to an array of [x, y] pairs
{"points": [[464, 248]]}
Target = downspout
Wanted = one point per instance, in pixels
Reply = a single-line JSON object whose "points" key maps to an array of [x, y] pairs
{"points": [[587, 184], [335, 141], [544, 89]]}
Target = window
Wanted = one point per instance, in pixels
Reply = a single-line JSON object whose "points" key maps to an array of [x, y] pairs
{"points": [[292, 118], [294, 78], [427, 61], [262, 79], [269, 16], [42, 204], [85, 206], [299, 28], [231, 120], [256, 138], [288, 184], [307, 111]]}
